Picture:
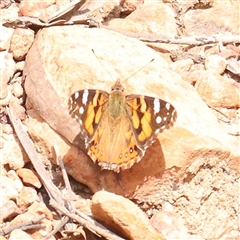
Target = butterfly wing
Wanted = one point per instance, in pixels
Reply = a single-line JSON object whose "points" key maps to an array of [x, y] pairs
{"points": [[87, 107], [149, 117], [114, 146]]}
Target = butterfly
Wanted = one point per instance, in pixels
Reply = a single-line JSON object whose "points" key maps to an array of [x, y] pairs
{"points": [[117, 128]]}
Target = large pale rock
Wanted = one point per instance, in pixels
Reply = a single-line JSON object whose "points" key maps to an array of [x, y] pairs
{"points": [[217, 90], [61, 62], [122, 216], [150, 18], [221, 17]]}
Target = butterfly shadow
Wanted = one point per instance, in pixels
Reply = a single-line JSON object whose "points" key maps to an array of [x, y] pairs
{"points": [[143, 173], [126, 182]]}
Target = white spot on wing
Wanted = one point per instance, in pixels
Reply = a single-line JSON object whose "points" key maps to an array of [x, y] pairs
{"points": [[158, 119], [165, 118], [81, 110], [157, 131], [76, 95], [167, 106], [85, 97], [156, 107]]}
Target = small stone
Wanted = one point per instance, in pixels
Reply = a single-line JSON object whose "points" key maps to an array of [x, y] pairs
{"points": [[216, 63], [17, 108], [9, 210], [17, 90], [21, 42], [19, 234], [5, 38], [29, 177], [182, 65], [169, 223], [120, 214], [13, 153], [7, 128], [217, 90], [37, 9], [26, 197], [40, 208], [8, 189], [7, 68], [19, 66], [2, 238], [18, 183]]}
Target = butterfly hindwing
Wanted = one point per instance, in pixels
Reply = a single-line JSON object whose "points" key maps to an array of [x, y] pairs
{"points": [[149, 117], [87, 107]]}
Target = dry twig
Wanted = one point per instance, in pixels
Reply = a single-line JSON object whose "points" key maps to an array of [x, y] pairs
{"points": [[56, 199], [24, 226]]}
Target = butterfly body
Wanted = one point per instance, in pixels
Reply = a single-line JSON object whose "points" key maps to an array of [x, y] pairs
{"points": [[117, 128]]}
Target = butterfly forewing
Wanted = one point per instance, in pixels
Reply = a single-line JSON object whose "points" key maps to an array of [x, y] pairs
{"points": [[87, 107], [149, 116]]}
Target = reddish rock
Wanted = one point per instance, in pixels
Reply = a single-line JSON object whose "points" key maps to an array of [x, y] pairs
{"points": [[122, 216], [29, 177]]}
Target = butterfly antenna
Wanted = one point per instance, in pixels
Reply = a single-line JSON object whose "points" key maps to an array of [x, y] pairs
{"points": [[127, 77], [138, 70], [103, 65]]}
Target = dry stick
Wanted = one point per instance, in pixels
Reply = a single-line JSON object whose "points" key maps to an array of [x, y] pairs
{"points": [[193, 40], [196, 40], [28, 146], [70, 193], [89, 223], [27, 225], [64, 220], [101, 229], [54, 193]]}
